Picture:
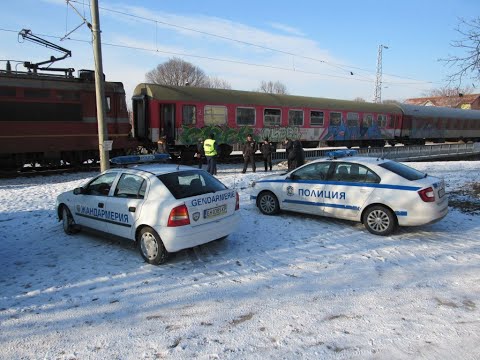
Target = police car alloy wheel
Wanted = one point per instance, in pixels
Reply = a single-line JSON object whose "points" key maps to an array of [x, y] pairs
{"points": [[151, 247], [268, 203], [379, 220], [68, 223]]}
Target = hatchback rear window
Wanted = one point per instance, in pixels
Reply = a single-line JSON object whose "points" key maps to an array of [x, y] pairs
{"points": [[186, 184], [403, 170]]}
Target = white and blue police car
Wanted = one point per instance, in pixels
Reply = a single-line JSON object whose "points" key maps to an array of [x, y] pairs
{"points": [[163, 207], [378, 192]]}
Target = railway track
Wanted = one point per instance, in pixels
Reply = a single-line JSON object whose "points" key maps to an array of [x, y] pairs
{"points": [[401, 153]]}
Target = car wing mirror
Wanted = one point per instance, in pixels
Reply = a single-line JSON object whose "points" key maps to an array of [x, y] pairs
{"points": [[292, 177], [78, 191]]}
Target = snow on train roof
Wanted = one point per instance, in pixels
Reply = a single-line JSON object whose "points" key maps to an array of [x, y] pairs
{"points": [[434, 111]]}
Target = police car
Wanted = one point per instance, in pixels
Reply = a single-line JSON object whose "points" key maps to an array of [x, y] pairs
{"points": [[163, 207], [378, 192]]}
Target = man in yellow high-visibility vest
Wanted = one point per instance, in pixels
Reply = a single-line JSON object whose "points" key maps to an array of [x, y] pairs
{"points": [[210, 148]]}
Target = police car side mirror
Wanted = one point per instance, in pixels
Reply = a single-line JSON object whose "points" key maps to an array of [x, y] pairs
{"points": [[78, 191], [292, 177]]}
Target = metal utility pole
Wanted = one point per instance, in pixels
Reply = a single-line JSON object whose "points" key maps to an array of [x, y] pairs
{"points": [[377, 95], [99, 87]]}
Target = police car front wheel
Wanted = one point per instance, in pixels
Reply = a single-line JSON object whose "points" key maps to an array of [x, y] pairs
{"points": [[379, 220], [268, 203], [151, 246], [68, 223]]}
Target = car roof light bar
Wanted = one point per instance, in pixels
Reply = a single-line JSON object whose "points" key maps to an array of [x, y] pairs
{"points": [[139, 159], [337, 154]]}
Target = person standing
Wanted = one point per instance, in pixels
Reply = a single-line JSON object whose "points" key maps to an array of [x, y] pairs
{"points": [[249, 149], [289, 152], [162, 145], [266, 150], [210, 148], [200, 154], [299, 153]]}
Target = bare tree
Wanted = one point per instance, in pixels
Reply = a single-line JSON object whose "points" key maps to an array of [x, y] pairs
{"points": [[467, 64], [390, 102], [177, 72], [217, 83], [359, 99], [448, 91], [273, 87]]}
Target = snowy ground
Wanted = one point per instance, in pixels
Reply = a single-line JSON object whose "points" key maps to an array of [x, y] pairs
{"points": [[289, 286]]}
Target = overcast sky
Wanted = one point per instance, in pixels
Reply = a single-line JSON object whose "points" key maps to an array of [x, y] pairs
{"points": [[319, 44]]}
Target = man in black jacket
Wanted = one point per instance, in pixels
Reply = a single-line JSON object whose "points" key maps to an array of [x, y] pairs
{"points": [[266, 150], [249, 149]]}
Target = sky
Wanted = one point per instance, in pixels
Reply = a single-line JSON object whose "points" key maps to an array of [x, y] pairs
{"points": [[316, 48]]}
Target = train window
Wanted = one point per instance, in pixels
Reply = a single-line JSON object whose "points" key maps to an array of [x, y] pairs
{"points": [[68, 95], [382, 120], [189, 115], [272, 117], [215, 115], [335, 119], [367, 120], [295, 117], [316, 118], [245, 116], [391, 123], [353, 119], [108, 103], [36, 93], [7, 91]]}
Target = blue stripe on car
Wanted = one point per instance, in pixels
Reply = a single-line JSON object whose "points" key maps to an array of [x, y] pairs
{"points": [[371, 185], [338, 206]]}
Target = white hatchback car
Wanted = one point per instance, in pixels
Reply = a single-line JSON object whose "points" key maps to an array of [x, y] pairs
{"points": [[164, 208], [379, 193]]}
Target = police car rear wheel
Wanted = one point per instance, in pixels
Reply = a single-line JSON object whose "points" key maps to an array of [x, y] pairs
{"points": [[379, 220], [151, 246], [68, 223], [268, 203]]}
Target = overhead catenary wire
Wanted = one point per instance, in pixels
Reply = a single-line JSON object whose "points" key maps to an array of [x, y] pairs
{"points": [[296, 70]]}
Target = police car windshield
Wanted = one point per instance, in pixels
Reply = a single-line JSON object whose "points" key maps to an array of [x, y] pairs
{"points": [[190, 183], [403, 170]]}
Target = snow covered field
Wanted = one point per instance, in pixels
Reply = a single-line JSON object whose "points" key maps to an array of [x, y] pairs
{"points": [[288, 287]]}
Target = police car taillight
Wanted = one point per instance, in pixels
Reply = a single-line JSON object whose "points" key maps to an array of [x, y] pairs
{"points": [[178, 216], [237, 202], [427, 194]]}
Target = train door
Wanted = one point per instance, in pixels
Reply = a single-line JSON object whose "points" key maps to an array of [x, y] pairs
{"points": [[140, 125], [167, 122]]}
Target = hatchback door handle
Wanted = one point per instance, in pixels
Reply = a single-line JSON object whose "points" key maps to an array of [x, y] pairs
{"points": [[132, 208], [100, 205]]}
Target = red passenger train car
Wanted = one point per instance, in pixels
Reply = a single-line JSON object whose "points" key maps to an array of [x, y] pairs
{"points": [[51, 119], [184, 114]]}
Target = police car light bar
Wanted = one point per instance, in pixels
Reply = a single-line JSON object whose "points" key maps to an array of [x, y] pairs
{"points": [[341, 153], [136, 159]]}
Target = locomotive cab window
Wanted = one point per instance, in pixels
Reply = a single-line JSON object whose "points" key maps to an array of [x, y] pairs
{"points": [[108, 103], [215, 115], [295, 117], [272, 117], [189, 113], [316, 118], [245, 116]]}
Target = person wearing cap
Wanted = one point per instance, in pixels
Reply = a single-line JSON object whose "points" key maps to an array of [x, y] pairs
{"points": [[266, 149], [210, 148], [249, 149]]}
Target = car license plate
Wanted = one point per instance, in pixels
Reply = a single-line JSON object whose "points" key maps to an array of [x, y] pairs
{"points": [[441, 192], [216, 211]]}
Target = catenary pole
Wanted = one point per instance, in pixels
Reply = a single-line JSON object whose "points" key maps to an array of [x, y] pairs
{"points": [[99, 87]]}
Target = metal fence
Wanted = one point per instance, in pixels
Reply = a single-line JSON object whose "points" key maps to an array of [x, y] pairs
{"points": [[400, 153]]}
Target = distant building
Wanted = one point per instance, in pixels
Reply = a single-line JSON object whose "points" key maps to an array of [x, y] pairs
{"points": [[470, 101]]}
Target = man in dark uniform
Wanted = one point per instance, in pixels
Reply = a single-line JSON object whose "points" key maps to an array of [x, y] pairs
{"points": [[200, 154], [249, 149], [266, 150], [289, 152]]}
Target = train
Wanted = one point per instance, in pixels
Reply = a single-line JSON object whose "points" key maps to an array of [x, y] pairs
{"points": [[50, 119], [184, 114]]}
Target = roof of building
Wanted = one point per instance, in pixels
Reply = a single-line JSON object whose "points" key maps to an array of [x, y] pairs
{"points": [[446, 101]]}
